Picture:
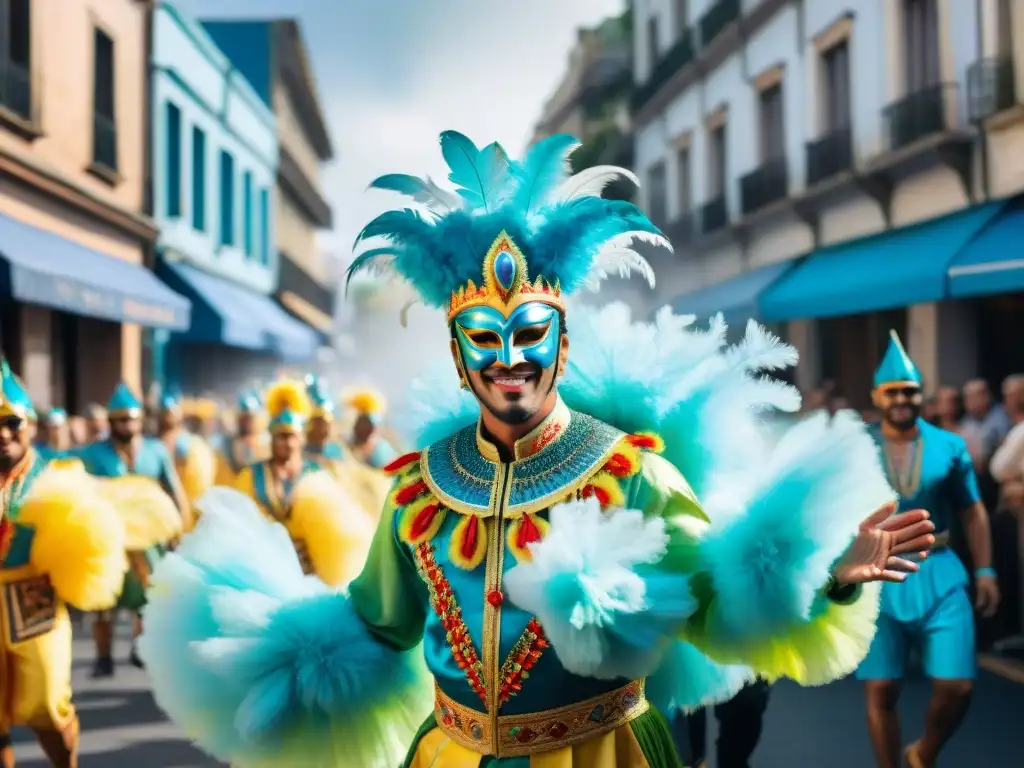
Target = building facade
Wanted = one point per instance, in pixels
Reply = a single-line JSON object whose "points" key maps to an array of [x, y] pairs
{"points": [[824, 165], [215, 160], [272, 56], [75, 293]]}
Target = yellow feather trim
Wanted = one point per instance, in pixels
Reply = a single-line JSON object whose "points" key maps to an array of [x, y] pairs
{"points": [[421, 520], [464, 553], [523, 554], [369, 486], [149, 515], [334, 528], [625, 460], [288, 395], [365, 401], [606, 488], [199, 471], [79, 538]]}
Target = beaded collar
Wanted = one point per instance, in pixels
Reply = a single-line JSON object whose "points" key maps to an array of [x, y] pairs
{"points": [[552, 461]]}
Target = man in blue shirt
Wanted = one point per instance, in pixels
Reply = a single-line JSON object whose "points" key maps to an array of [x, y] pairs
{"points": [[930, 468]]}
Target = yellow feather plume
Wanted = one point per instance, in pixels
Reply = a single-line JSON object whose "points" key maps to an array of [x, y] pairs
{"points": [[366, 401], [148, 514], [79, 538], [369, 487], [199, 470], [288, 395], [334, 528]]}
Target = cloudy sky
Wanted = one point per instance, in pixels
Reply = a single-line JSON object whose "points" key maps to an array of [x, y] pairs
{"points": [[393, 74]]}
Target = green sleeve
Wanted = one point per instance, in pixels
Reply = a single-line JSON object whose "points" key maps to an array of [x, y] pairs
{"points": [[389, 595]]}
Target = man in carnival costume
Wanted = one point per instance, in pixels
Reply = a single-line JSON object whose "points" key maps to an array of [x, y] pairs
{"points": [[61, 542], [544, 547], [149, 485], [54, 441], [325, 524], [367, 444], [929, 467], [319, 445], [249, 444], [194, 459]]}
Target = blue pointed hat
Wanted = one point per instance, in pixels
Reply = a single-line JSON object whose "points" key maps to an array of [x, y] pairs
{"points": [[124, 403], [170, 401], [896, 369], [320, 398], [249, 402], [14, 399]]}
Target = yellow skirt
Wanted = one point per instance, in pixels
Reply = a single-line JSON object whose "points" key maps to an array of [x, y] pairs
{"points": [[615, 749]]}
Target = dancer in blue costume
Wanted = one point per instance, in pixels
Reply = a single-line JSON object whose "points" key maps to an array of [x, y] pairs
{"points": [[127, 452], [931, 468], [367, 444], [249, 444], [194, 460], [319, 445], [543, 553], [54, 440]]}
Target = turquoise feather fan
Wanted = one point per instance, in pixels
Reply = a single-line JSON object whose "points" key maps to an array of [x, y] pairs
{"points": [[567, 232]]}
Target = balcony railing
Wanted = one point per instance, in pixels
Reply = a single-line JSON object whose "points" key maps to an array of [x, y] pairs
{"points": [[104, 142], [717, 18], [714, 215], [16, 89], [829, 156], [991, 87], [764, 186], [920, 114], [677, 57]]}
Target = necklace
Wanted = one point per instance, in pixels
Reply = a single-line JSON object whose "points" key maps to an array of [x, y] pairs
{"points": [[904, 471]]}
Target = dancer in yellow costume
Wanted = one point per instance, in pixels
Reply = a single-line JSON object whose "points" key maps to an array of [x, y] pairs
{"points": [[249, 444], [61, 542], [542, 552], [329, 529], [193, 457], [366, 443]]}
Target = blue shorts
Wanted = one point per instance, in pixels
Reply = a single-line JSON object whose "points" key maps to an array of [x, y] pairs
{"points": [[944, 635]]}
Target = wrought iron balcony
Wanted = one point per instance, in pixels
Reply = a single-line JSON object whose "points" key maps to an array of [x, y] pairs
{"points": [[104, 142], [677, 57], [829, 156], [16, 89], [764, 186], [717, 18], [713, 215], [918, 115], [991, 87]]}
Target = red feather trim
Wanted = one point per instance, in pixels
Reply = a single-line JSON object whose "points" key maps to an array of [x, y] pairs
{"points": [[401, 463]]}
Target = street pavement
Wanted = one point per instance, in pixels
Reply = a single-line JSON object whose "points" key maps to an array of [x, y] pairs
{"points": [[805, 728]]}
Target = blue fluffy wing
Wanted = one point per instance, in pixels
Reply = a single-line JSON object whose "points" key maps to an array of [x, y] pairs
{"points": [[479, 175], [261, 665]]}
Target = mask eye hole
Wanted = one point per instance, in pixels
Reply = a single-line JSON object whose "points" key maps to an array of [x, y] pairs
{"points": [[534, 334], [483, 339]]}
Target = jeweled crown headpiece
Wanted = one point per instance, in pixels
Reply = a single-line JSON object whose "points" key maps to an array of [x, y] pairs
{"points": [[513, 232]]}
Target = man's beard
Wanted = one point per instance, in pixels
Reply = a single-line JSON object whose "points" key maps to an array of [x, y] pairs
{"points": [[122, 437], [7, 463], [514, 414], [903, 424]]}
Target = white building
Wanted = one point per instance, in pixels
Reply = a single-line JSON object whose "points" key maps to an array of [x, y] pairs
{"points": [[821, 166]]}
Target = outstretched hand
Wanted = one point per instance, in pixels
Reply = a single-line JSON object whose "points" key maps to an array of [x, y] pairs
{"points": [[881, 538]]}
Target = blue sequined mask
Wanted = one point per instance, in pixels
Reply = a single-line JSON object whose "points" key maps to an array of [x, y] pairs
{"points": [[529, 335]]}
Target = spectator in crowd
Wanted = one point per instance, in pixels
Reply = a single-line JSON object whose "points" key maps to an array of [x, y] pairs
{"points": [[79, 430], [815, 400], [1013, 397], [948, 409], [97, 425], [984, 425], [930, 410]]}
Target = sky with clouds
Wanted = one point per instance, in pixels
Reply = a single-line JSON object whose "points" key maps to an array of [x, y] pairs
{"points": [[393, 74]]}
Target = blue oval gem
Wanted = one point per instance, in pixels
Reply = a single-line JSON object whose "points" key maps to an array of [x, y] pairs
{"points": [[505, 269]]}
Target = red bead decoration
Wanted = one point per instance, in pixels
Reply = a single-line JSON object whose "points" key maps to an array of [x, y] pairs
{"points": [[495, 598]]}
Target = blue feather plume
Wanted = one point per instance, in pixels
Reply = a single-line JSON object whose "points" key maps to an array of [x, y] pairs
{"points": [[572, 242]]}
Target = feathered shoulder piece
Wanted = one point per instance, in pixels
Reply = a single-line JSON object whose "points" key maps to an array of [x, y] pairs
{"points": [[288, 396], [511, 232]]}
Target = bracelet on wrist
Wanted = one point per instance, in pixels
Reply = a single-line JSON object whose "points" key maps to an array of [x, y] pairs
{"points": [[985, 573]]}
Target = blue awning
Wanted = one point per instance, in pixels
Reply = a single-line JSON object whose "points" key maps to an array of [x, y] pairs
{"points": [[737, 298], [41, 267], [993, 262], [227, 313], [892, 269]]}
